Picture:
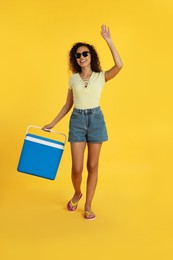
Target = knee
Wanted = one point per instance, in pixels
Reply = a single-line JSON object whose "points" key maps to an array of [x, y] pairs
{"points": [[77, 171], [92, 168]]}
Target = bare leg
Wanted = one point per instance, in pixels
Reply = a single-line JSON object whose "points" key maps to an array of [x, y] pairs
{"points": [[77, 152], [92, 166]]}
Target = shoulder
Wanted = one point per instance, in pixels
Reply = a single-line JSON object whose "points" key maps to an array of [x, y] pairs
{"points": [[73, 78], [100, 76]]}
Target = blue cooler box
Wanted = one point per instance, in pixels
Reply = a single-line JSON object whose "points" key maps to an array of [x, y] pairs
{"points": [[40, 156]]}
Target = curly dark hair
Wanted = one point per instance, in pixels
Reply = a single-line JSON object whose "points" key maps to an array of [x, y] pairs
{"points": [[95, 62]]}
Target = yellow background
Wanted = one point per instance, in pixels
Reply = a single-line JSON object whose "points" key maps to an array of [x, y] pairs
{"points": [[134, 198]]}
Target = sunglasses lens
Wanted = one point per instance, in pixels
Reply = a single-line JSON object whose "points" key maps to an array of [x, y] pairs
{"points": [[85, 53], [78, 55]]}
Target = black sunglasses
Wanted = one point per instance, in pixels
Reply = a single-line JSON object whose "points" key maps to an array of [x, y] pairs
{"points": [[84, 54]]}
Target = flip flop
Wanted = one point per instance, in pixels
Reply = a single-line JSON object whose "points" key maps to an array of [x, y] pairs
{"points": [[71, 206], [89, 215]]}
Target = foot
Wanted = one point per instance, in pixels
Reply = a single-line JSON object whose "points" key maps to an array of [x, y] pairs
{"points": [[73, 203], [89, 215]]}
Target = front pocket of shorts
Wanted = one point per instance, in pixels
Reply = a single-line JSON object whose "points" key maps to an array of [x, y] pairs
{"points": [[98, 114], [74, 115]]}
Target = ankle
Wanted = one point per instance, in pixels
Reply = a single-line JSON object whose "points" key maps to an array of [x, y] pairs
{"points": [[77, 194], [87, 207]]}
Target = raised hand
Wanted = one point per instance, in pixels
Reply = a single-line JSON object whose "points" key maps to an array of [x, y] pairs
{"points": [[105, 32]]}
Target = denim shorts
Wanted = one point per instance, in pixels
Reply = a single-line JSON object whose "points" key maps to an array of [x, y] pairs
{"points": [[87, 125]]}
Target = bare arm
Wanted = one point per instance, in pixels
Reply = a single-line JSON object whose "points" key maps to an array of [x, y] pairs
{"points": [[111, 73], [65, 109]]}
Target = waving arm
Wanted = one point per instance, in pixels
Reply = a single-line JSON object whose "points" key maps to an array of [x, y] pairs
{"points": [[111, 73]]}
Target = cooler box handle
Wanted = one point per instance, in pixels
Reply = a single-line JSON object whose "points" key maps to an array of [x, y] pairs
{"points": [[49, 130]]}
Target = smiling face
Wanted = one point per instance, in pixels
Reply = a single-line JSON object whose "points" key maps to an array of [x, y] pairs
{"points": [[84, 60]]}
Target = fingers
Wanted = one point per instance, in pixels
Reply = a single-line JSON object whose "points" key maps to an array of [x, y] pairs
{"points": [[104, 28], [46, 128], [105, 32]]}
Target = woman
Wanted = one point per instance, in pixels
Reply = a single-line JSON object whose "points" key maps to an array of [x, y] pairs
{"points": [[87, 126]]}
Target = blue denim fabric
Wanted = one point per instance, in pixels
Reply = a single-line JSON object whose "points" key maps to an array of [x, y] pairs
{"points": [[87, 125]]}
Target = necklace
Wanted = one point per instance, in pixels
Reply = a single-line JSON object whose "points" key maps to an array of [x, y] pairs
{"points": [[86, 82], [86, 79]]}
